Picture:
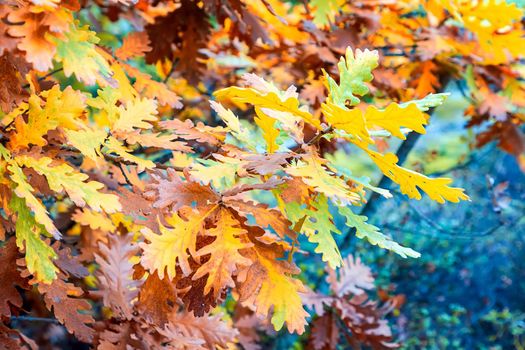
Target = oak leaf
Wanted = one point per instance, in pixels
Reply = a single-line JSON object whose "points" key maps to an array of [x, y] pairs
{"points": [[63, 177], [10, 278], [173, 245], [133, 45], [373, 235], [117, 286], [225, 251], [268, 284]]}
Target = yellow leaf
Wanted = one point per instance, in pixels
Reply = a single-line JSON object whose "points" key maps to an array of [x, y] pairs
{"points": [[172, 245], [233, 123], [61, 108], [409, 181], [351, 121], [114, 146], [126, 91], [269, 131], [136, 114], [395, 116], [93, 219], [268, 100], [88, 141], [154, 140]]}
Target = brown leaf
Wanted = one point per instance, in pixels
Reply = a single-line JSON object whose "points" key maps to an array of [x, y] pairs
{"points": [[209, 332], [365, 321], [325, 333], [271, 184], [171, 191], [187, 130], [126, 335], [61, 297], [157, 299], [133, 45], [265, 164], [181, 34], [354, 278], [12, 339], [11, 91], [117, 286], [67, 263], [10, 278]]}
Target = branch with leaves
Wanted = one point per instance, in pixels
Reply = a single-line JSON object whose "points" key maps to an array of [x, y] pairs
{"points": [[147, 211]]}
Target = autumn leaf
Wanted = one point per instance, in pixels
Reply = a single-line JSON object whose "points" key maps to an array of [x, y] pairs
{"points": [[174, 244], [60, 109], [62, 298], [310, 168], [10, 278], [79, 56], [268, 284], [324, 11], [409, 181], [225, 253], [274, 100], [35, 35], [23, 190], [117, 286], [38, 254], [172, 191], [234, 125], [394, 116], [133, 45], [355, 69], [317, 224], [351, 121], [64, 178], [353, 278], [136, 114], [373, 235]]}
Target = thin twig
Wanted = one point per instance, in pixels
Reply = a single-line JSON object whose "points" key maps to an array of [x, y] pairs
{"points": [[121, 167], [25, 86], [34, 319]]}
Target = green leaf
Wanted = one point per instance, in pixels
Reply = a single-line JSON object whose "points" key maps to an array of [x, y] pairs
{"points": [[373, 235], [39, 256], [429, 101], [324, 11], [79, 56], [354, 72], [317, 225]]}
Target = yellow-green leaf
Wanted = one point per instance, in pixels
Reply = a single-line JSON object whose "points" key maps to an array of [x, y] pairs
{"points": [[63, 177], [38, 254], [78, 54]]}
